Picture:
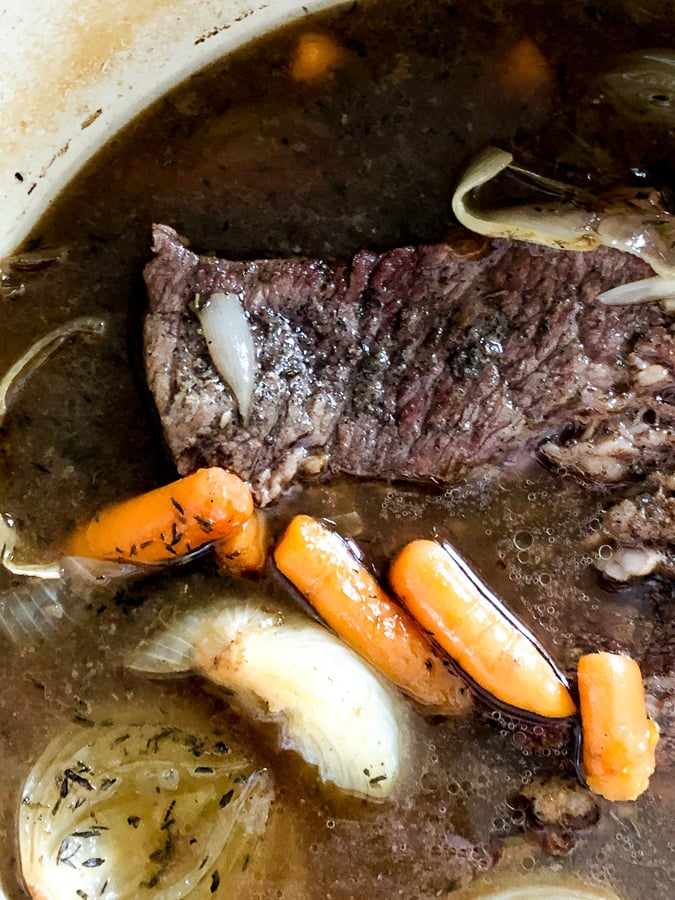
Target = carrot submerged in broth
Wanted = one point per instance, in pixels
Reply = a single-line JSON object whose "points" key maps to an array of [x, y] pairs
{"points": [[169, 522], [348, 598], [244, 550], [439, 589], [619, 741]]}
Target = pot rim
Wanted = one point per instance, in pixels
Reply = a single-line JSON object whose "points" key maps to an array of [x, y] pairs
{"points": [[71, 76]]}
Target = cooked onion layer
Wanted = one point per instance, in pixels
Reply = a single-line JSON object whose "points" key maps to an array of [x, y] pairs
{"points": [[544, 890], [49, 597], [574, 220], [38, 352], [331, 707], [643, 291], [128, 811]]}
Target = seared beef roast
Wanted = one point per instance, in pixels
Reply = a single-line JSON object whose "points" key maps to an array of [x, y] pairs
{"points": [[416, 363]]}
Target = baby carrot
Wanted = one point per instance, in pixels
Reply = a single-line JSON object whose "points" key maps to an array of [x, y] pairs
{"points": [[474, 628], [619, 741], [347, 597], [244, 549], [525, 69], [168, 522], [315, 57]]}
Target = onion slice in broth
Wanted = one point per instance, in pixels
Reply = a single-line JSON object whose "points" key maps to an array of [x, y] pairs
{"points": [[127, 810], [47, 597], [559, 226], [8, 543], [575, 221], [38, 352], [540, 890], [332, 708]]}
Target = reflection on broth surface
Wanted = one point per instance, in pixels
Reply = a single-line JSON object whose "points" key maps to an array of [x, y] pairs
{"points": [[363, 150]]}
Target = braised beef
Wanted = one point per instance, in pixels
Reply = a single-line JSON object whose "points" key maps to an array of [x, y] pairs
{"points": [[417, 363]]}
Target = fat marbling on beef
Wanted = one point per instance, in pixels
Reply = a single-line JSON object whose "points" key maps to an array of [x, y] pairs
{"points": [[416, 363]]}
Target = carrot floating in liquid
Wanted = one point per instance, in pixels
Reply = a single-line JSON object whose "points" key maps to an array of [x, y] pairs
{"points": [[347, 597], [448, 600], [619, 741], [168, 522], [315, 56], [524, 69], [244, 549]]}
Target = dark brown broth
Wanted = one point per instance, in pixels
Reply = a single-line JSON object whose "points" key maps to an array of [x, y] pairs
{"points": [[245, 164]]}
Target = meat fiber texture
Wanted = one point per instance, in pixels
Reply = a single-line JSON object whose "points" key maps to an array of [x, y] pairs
{"points": [[419, 363]]}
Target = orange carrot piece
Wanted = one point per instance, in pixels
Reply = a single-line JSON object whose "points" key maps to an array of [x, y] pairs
{"points": [[244, 550], [168, 522], [347, 597], [525, 69], [315, 57], [472, 626], [619, 741]]}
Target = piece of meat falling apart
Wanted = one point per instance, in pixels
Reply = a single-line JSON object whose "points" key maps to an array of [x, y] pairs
{"points": [[640, 530], [417, 363]]}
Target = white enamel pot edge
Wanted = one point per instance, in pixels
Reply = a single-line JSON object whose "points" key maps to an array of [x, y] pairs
{"points": [[73, 73]]}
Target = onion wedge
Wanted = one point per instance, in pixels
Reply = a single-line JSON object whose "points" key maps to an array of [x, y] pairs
{"points": [[558, 227], [331, 707], [535, 889], [127, 810], [574, 221], [8, 544]]}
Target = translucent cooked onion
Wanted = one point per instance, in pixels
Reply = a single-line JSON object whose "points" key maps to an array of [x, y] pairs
{"points": [[642, 87], [33, 260], [544, 890], [8, 543], [331, 707], [46, 571], [38, 352], [30, 611], [576, 221], [49, 596], [562, 226], [22, 369], [643, 291], [135, 810], [228, 337], [83, 573]]}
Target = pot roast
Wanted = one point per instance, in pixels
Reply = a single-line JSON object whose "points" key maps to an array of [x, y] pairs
{"points": [[419, 363]]}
